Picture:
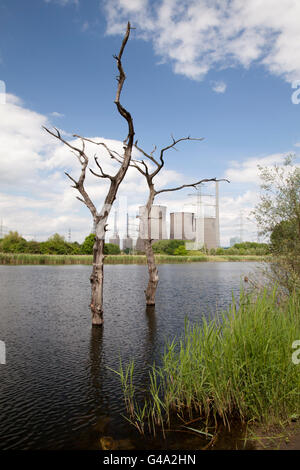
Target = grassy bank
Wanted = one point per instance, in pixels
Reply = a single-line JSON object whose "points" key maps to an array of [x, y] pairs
{"points": [[25, 258], [237, 367]]}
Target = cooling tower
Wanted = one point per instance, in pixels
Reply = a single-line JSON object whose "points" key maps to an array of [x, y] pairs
{"points": [[156, 226], [182, 225]]}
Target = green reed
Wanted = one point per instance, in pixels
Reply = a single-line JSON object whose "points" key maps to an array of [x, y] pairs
{"points": [[237, 366]]}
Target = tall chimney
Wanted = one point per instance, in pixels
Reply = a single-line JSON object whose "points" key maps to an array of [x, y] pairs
{"points": [[127, 230], [217, 215]]}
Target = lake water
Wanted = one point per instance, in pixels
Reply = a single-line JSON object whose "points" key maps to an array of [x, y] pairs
{"points": [[56, 391]]}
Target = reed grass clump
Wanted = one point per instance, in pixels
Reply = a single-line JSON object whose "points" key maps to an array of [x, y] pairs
{"points": [[238, 366], [35, 259]]}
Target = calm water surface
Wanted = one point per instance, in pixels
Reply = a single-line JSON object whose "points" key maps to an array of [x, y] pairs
{"points": [[55, 390]]}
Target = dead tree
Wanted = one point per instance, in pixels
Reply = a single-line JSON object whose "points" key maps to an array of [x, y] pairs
{"points": [[100, 218], [144, 169]]}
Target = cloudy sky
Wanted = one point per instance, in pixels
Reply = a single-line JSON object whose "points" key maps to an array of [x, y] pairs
{"points": [[225, 70]]}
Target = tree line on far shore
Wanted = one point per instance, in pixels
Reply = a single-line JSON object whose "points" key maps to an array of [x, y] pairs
{"points": [[13, 242], [55, 245]]}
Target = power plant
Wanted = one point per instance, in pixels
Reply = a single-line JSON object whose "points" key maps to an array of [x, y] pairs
{"points": [[115, 239], [198, 230], [182, 225], [154, 227], [128, 241]]}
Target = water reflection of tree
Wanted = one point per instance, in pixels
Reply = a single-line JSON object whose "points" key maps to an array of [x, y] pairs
{"points": [[96, 361], [147, 353], [93, 420], [151, 333]]}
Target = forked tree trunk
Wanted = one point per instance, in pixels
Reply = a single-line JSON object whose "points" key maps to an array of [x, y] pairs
{"points": [[153, 274], [100, 220], [97, 282]]}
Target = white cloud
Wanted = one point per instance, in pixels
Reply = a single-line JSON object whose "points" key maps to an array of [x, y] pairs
{"points": [[244, 174], [85, 26], [235, 215], [63, 3], [36, 198], [56, 114], [247, 170], [199, 35], [219, 87]]}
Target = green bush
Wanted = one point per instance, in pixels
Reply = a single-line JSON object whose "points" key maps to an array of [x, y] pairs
{"points": [[33, 247], [13, 243], [56, 245], [167, 246], [87, 245], [181, 251], [252, 248], [111, 249]]}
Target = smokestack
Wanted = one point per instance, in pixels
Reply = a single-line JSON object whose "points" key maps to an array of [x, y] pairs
{"points": [[217, 215], [127, 230], [115, 226]]}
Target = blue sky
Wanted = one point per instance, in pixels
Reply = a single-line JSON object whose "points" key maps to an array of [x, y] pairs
{"points": [[219, 70]]}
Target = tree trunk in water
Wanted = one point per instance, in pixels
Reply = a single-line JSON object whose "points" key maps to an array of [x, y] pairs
{"points": [[153, 274], [97, 282]]}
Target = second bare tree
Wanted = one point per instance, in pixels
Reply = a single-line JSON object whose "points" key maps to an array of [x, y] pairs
{"points": [[144, 169]]}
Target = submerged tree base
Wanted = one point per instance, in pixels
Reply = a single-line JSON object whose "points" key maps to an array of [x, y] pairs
{"points": [[97, 320]]}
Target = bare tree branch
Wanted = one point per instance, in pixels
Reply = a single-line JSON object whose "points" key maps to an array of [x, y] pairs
{"points": [[103, 175], [206, 180], [150, 156], [121, 80], [83, 159], [113, 153], [58, 136], [72, 179], [160, 164], [175, 142]]}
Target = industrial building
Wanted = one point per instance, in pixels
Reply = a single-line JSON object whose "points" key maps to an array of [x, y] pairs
{"points": [[115, 239], [182, 225], [154, 227], [127, 242], [211, 239], [200, 229], [197, 229]]}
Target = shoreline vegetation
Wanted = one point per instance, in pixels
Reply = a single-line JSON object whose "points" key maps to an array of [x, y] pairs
{"points": [[48, 259], [236, 367]]}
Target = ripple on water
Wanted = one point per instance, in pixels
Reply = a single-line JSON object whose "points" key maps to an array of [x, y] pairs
{"points": [[56, 391]]}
